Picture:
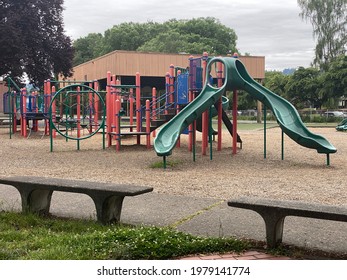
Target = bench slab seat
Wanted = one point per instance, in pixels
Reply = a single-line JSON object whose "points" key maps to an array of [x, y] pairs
{"points": [[274, 212], [36, 194]]}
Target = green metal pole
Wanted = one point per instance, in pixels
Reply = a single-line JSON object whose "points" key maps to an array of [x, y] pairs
{"points": [[282, 145], [164, 162], [264, 131], [103, 131], [51, 129], [66, 121], [194, 147], [328, 159], [119, 137]]}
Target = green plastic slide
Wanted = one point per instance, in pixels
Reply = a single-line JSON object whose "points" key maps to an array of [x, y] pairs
{"points": [[237, 77]]}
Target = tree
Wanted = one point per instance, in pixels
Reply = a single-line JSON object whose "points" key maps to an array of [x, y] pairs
{"points": [[221, 39], [304, 88], [245, 100], [33, 40], [329, 21], [194, 36], [88, 47], [174, 36], [335, 79], [276, 82], [130, 36], [175, 42]]}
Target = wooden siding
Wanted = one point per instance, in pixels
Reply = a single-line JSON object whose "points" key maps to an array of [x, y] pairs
{"points": [[127, 63], [255, 66]]}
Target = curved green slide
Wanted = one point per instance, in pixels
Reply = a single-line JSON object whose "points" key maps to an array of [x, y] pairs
{"points": [[237, 77]]}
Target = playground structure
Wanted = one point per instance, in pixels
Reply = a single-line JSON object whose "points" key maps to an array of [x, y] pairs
{"points": [[181, 87], [115, 93], [237, 77], [68, 111], [77, 112], [192, 97], [23, 106]]}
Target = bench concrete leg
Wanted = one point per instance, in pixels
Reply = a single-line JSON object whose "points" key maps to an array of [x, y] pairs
{"points": [[37, 201], [274, 223], [108, 208]]}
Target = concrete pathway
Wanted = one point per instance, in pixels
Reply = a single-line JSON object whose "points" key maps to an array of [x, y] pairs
{"points": [[198, 216]]}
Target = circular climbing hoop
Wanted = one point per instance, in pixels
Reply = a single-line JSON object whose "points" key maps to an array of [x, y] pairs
{"points": [[77, 112]]}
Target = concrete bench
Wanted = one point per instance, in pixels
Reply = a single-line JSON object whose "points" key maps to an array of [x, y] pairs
{"points": [[36, 193], [274, 212]]}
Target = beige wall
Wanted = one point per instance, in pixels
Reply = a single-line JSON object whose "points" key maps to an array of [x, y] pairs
{"points": [[126, 63]]}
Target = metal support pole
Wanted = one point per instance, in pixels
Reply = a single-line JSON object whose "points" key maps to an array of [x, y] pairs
{"points": [[210, 132], [50, 129], [282, 146], [234, 140], [194, 140], [164, 162], [264, 131]]}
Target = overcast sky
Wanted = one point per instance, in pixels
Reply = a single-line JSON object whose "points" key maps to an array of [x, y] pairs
{"points": [[270, 28]]}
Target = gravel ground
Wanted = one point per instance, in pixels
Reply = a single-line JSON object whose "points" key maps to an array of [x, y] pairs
{"points": [[302, 175]]}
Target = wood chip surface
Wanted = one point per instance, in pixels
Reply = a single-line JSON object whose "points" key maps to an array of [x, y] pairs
{"points": [[302, 175]]}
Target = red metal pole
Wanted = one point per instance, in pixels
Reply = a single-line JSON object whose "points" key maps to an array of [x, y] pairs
{"points": [[23, 111], [115, 97], [204, 143], [113, 101], [190, 127], [47, 101], [167, 89], [54, 112], [108, 109], [118, 90], [61, 109], [171, 81], [178, 145], [138, 107], [154, 107], [131, 109], [78, 113], [117, 120], [96, 104], [90, 107]]}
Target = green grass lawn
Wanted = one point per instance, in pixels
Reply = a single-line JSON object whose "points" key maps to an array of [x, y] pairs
{"points": [[29, 237], [254, 126], [243, 125]]}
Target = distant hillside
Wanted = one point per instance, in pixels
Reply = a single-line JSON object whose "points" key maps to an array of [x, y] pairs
{"points": [[288, 71]]}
